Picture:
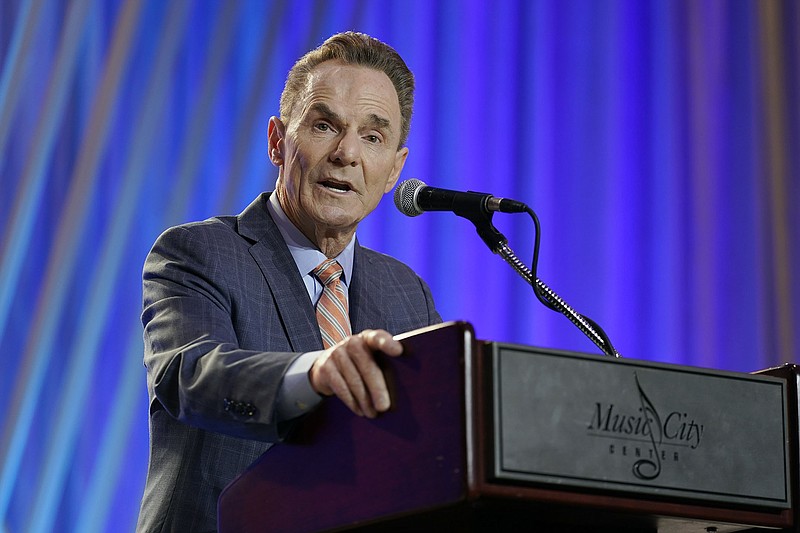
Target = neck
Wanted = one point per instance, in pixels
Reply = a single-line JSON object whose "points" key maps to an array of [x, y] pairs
{"points": [[330, 241], [331, 246]]}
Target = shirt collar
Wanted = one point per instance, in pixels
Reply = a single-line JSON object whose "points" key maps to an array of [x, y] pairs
{"points": [[305, 253]]}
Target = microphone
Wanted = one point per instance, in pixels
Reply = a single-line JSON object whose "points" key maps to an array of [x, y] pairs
{"points": [[412, 197]]}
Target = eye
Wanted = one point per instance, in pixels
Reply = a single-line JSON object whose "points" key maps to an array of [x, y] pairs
{"points": [[322, 126], [372, 139]]}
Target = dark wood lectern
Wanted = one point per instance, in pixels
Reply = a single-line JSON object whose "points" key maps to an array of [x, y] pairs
{"points": [[427, 465]]}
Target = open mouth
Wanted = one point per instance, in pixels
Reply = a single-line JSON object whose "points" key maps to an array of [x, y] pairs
{"points": [[336, 186]]}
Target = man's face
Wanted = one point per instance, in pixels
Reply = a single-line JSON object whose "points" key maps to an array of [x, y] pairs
{"points": [[338, 154]]}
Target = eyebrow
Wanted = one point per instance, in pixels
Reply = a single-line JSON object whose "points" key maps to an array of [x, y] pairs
{"points": [[326, 112], [374, 121], [379, 123]]}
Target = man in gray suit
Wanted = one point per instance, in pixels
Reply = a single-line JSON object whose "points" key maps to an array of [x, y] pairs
{"points": [[233, 349]]}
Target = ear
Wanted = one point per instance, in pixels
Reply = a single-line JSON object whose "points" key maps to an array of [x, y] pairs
{"points": [[276, 132], [399, 162]]}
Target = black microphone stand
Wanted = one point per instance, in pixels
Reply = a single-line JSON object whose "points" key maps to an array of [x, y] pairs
{"points": [[481, 217]]}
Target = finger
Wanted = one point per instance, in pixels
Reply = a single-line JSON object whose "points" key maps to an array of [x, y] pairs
{"points": [[327, 378], [382, 341], [353, 360], [346, 363], [371, 373]]}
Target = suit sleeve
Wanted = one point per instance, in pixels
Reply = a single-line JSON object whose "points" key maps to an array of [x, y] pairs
{"points": [[196, 369]]}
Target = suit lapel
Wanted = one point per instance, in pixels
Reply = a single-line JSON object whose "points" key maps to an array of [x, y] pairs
{"points": [[280, 272]]}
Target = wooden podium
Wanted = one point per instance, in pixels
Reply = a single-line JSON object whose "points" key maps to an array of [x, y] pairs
{"points": [[430, 464]]}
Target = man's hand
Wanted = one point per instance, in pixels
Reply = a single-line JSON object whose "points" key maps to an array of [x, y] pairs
{"points": [[348, 370]]}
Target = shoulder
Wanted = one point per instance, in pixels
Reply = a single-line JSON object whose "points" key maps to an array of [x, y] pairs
{"points": [[210, 237], [380, 262], [205, 249], [211, 229], [395, 286], [387, 273], [252, 225]]}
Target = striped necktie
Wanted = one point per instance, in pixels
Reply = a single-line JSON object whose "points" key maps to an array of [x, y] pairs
{"points": [[332, 314]]}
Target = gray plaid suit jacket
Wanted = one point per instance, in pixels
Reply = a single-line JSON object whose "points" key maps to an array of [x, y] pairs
{"points": [[225, 313]]}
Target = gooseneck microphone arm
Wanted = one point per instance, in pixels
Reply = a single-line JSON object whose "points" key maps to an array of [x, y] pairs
{"points": [[413, 197], [498, 244], [552, 300]]}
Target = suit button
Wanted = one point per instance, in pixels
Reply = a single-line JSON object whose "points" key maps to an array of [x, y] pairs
{"points": [[239, 408]]}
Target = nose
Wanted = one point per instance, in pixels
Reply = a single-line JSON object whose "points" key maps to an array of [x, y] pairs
{"points": [[346, 151]]}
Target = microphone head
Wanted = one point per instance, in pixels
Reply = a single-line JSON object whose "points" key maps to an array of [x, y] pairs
{"points": [[405, 197]]}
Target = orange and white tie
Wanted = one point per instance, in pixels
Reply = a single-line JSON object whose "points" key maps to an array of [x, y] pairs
{"points": [[332, 315]]}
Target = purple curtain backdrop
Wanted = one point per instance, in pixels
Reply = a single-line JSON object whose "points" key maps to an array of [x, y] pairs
{"points": [[658, 141]]}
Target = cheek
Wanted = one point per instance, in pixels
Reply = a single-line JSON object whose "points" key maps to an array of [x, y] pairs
{"points": [[376, 193], [306, 163], [382, 180], [295, 170]]}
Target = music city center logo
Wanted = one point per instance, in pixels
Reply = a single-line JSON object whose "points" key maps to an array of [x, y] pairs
{"points": [[650, 437]]}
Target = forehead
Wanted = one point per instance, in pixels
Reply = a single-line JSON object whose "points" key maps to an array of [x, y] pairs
{"points": [[351, 89]]}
